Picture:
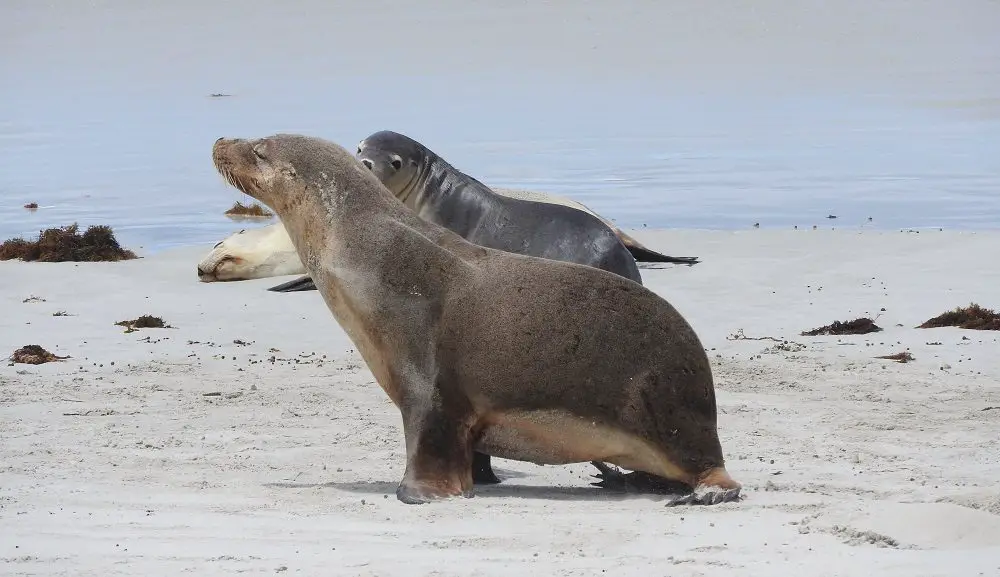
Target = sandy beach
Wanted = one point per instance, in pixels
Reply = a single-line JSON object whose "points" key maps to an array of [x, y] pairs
{"points": [[250, 437]]}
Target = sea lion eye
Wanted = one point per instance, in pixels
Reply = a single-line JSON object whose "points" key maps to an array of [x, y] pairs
{"points": [[396, 162], [359, 149]]}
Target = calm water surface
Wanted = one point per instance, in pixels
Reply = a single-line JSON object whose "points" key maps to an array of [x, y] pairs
{"points": [[658, 113]]}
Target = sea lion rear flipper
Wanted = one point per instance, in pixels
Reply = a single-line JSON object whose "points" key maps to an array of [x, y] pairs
{"points": [[680, 493], [642, 254], [482, 470], [706, 496], [615, 479], [303, 283]]}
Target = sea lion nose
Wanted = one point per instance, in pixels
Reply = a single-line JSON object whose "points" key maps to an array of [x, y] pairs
{"points": [[367, 163], [201, 272]]}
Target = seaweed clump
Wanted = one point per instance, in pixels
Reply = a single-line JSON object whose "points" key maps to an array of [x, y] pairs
{"points": [[253, 210], [96, 244], [971, 317], [34, 355], [903, 357], [143, 322], [861, 326]]}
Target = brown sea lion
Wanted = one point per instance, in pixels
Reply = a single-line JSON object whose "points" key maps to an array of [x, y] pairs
{"points": [[484, 350]]}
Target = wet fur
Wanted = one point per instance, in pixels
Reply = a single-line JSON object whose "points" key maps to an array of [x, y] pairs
{"points": [[513, 355]]}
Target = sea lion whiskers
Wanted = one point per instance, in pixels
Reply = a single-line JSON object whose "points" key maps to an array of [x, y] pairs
{"points": [[238, 182], [226, 177], [230, 178]]}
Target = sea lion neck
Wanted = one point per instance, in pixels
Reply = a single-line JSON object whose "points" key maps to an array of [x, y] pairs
{"points": [[453, 199], [326, 212]]}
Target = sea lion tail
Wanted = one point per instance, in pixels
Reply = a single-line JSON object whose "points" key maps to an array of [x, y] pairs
{"points": [[642, 254], [304, 283]]}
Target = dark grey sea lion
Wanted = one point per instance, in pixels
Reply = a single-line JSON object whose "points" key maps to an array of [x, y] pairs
{"points": [[535, 224]]}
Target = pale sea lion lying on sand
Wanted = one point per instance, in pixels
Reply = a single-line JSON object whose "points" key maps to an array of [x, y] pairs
{"points": [[251, 253], [485, 350], [267, 251]]}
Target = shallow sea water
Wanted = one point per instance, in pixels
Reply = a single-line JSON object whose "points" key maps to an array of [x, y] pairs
{"points": [[663, 114]]}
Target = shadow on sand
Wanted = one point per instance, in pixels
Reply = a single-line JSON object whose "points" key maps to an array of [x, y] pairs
{"points": [[501, 490], [549, 493]]}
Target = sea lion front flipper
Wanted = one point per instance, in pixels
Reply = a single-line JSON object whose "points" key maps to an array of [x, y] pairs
{"points": [[438, 455], [303, 283]]}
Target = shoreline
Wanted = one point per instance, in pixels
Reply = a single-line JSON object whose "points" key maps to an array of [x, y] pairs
{"points": [[635, 232], [251, 437], [223, 227], [207, 245]]}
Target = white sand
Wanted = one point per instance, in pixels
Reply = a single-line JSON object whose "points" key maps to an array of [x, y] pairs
{"points": [[851, 465]]}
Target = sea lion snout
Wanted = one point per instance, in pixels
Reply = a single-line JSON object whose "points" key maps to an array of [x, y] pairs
{"points": [[221, 144], [237, 162], [205, 275], [228, 267]]}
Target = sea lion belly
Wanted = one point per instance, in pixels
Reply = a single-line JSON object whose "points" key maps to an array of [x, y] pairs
{"points": [[557, 438]]}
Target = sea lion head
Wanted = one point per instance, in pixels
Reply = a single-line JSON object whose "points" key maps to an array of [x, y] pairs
{"points": [[249, 254], [310, 182], [284, 170], [223, 264], [397, 160]]}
